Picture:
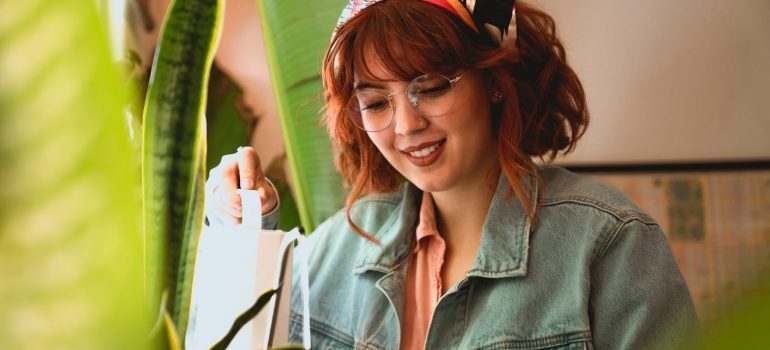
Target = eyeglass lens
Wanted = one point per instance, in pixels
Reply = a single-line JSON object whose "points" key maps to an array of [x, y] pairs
{"points": [[430, 94]]}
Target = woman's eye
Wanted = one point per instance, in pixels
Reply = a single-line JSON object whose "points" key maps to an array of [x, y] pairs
{"points": [[433, 90], [374, 107]]}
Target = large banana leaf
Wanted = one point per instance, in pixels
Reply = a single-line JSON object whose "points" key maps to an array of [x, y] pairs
{"points": [[173, 162], [70, 243], [296, 35]]}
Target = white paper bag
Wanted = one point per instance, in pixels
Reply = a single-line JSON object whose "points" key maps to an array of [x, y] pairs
{"points": [[236, 264]]}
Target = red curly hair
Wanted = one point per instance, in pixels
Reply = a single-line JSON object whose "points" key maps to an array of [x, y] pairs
{"points": [[543, 110]]}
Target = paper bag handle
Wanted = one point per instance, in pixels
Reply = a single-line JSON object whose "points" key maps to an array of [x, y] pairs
{"points": [[252, 218]]}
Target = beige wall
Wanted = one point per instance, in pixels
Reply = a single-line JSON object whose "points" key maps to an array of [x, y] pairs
{"points": [[670, 80]]}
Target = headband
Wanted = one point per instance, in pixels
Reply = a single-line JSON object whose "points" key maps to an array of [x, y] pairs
{"points": [[496, 17]]}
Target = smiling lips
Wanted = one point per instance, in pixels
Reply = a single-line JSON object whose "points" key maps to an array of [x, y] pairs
{"points": [[425, 154]]}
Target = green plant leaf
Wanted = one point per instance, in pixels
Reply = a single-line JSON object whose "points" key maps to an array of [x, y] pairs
{"points": [[171, 334], [173, 162], [244, 318], [70, 242], [189, 247], [226, 129], [294, 69], [743, 323]]}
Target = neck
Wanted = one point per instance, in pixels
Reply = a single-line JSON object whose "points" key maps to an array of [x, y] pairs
{"points": [[460, 212]]}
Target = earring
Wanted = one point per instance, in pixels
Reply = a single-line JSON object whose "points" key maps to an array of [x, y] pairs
{"points": [[497, 96]]}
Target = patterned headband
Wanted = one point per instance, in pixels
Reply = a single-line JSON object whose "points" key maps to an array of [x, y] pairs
{"points": [[496, 17]]}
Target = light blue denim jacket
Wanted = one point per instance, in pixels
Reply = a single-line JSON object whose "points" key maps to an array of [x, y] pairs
{"points": [[596, 273]]}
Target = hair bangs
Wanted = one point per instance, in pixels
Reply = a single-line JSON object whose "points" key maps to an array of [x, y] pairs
{"points": [[408, 42]]}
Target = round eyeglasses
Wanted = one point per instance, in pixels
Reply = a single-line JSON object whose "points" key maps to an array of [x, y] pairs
{"points": [[431, 95]]}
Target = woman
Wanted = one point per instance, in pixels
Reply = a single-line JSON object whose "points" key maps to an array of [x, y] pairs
{"points": [[452, 237]]}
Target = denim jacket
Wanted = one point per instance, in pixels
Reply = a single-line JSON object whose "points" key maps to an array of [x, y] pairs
{"points": [[595, 273]]}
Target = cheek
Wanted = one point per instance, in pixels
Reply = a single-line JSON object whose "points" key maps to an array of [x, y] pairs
{"points": [[475, 125], [377, 140], [383, 142]]}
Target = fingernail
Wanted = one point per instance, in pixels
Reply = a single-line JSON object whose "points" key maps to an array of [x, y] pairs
{"points": [[246, 184], [237, 206]]}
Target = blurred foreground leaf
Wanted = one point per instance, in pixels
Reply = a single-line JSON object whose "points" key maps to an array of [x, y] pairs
{"points": [[70, 244], [744, 325]]}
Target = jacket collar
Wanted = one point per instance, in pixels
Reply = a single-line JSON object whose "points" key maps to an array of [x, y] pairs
{"points": [[396, 235], [504, 248]]}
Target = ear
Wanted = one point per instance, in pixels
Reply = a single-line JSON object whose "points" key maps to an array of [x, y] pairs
{"points": [[494, 91]]}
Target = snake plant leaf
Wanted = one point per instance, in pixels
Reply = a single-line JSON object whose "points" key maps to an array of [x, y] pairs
{"points": [[70, 239], [296, 34], [189, 247], [173, 156]]}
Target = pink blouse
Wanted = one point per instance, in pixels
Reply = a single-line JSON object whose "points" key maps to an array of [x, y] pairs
{"points": [[423, 278]]}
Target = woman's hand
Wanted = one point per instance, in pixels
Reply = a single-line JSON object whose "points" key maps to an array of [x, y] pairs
{"points": [[237, 170]]}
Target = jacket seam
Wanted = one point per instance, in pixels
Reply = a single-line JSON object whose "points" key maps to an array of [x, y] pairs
{"points": [[495, 274], [471, 289], [542, 343], [612, 237], [587, 201], [325, 329]]}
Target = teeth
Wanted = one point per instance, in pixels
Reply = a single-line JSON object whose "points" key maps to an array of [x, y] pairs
{"points": [[425, 151]]}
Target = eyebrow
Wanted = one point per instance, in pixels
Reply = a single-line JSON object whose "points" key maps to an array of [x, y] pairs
{"points": [[367, 85]]}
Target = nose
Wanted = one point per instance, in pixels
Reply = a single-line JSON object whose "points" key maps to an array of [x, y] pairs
{"points": [[407, 118]]}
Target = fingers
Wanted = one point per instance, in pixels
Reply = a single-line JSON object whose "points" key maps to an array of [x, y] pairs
{"points": [[228, 191], [251, 178], [223, 204], [218, 216], [249, 169], [239, 170]]}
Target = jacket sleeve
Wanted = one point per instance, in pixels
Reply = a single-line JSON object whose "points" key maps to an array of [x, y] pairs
{"points": [[638, 297]]}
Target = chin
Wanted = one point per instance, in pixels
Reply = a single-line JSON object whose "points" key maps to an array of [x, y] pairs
{"points": [[429, 185]]}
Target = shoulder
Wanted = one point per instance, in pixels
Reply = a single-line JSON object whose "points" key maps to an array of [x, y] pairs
{"points": [[593, 243], [565, 188], [587, 214]]}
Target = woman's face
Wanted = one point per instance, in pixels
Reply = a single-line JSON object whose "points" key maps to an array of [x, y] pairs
{"points": [[454, 150]]}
